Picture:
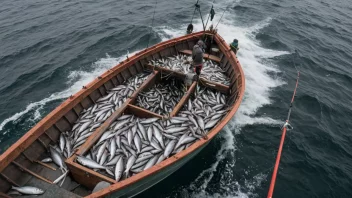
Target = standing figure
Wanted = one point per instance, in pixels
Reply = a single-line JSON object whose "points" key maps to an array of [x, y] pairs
{"points": [[197, 56], [234, 46]]}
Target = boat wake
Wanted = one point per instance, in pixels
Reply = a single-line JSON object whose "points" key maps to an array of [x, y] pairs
{"points": [[75, 81], [259, 83], [258, 86]]}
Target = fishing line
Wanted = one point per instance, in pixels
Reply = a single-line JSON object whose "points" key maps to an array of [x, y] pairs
{"points": [[212, 6], [221, 17], [156, 1]]}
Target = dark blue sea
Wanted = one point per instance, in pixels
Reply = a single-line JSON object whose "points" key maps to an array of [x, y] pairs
{"points": [[50, 49]]}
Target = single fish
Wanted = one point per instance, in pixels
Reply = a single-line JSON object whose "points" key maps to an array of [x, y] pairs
{"points": [[28, 190]]}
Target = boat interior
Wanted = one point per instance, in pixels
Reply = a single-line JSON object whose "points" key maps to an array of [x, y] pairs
{"points": [[21, 164]]}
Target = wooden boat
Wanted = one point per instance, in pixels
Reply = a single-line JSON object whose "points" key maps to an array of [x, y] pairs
{"points": [[20, 165]]}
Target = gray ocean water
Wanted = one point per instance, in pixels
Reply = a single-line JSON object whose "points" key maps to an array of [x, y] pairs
{"points": [[50, 49]]}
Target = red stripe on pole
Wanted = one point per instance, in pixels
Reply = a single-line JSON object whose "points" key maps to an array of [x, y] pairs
{"points": [[276, 167], [278, 157]]}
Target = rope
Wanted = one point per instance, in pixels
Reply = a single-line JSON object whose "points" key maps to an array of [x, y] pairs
{"points": [[221, 18], [156, 1], [193, 15], [212, 6]]}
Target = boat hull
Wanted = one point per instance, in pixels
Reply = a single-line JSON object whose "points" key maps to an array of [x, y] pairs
{"points": [[151, 180]]}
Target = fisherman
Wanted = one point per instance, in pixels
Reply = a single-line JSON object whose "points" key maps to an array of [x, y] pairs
{"points": [[234, 46], [190, 28], [197, 56]]}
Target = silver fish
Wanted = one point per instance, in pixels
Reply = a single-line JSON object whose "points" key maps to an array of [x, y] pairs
{"points": [[28, 190], [89, 163], [119, 169]]}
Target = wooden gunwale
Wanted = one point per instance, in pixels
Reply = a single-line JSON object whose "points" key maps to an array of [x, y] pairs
{"points": [[158, 167], [48, 121], [70, 104]]}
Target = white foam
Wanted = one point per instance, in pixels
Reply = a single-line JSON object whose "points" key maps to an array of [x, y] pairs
{"points": [[258, 86], [257, 94], [75, 81]]}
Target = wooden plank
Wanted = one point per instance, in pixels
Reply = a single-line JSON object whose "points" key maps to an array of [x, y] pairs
{"points": [[184, 99], [206, 56], [41, 142], [45, 165], [142, 113], [150, 81], [9, 180], [11, 153], [133, 70], [51, 138], [86, 176], [49, 120], [31, 172], [166, 71], [4, 185], [100, 130], [213, 85], [167, 162]]}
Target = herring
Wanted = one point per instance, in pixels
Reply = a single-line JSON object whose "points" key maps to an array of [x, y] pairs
{"points": [[28, 190]]}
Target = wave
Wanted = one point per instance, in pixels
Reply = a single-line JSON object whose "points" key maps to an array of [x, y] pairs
{"points": [[259, 84], [257, 94], [76, 79]]}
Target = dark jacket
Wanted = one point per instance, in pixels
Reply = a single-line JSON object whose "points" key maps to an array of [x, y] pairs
{"points": [[197, 55]]}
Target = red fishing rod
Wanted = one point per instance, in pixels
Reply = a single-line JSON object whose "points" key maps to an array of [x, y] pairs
{"points": [[285, 127]]}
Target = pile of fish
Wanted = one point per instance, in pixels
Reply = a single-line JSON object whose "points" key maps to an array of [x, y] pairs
{"points": [[91, 118], [161, 98], [133, 144], [181, 63]]}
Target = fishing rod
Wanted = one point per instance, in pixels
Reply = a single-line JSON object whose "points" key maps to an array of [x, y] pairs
{"points": [[285, 127]]}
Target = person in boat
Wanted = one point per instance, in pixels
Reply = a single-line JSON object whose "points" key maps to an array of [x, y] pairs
{"points": [[234, 46], [190, 28], [197, 56]]}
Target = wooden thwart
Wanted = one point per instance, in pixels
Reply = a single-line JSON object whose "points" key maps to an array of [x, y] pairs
{"points": [[32, 173], [86, 176], [99, 132], [206, 56], [214, 85], [206, 83], [141, 112], [90, 178], [150, 81], [184, 99]]}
